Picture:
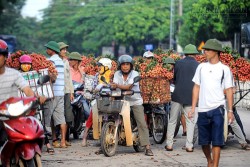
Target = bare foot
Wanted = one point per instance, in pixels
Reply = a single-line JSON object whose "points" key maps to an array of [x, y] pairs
{"points": [[84, 143]]}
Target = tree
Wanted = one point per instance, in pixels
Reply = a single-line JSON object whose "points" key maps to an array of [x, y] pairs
{"points": [[98, 23], [206, 19]]}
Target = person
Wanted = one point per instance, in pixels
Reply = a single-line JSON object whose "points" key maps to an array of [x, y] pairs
{"points": [[54, 108], [75, 67], [104, 65], [210, 80], [68, 90], [123, 79], [11, 82], [184, 70], [26, 63], [148, 56]]}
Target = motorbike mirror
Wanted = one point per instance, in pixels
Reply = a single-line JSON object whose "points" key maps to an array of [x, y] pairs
{"points": [[137, 79], [43, 79], [104, 80]]}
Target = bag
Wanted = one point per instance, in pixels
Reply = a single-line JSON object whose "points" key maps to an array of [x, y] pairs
{"points": [[89, 82]]}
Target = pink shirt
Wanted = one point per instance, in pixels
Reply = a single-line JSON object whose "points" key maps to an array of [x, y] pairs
{"points": [[76, 75]]}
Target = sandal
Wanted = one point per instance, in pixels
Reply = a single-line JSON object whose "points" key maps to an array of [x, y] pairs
{"points": [[149, 152], [168, 149], [189, 150], [245, 146], [51, 151], [99, 152]]}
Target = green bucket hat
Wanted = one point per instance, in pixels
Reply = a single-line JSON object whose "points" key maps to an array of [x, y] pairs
{"points": [[62, 45], [169, 60], [75, 56], [190, 50], [213, 44], [53, 45]]}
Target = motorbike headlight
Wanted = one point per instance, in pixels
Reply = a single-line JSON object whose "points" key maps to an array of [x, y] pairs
{"points": [[128, 92], [116, 93]]}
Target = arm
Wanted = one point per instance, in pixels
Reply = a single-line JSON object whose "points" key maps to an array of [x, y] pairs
{"points": [[229, 96], [195, 97], [122, 87], [28, 91]]}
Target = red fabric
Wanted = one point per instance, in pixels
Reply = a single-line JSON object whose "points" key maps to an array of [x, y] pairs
{"points": [[89, 121]]}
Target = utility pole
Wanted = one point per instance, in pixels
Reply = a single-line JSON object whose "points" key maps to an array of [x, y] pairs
{"points": [[171, 24]]}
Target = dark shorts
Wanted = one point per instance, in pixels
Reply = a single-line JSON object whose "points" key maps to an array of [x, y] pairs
{"points": [[211, 127]]}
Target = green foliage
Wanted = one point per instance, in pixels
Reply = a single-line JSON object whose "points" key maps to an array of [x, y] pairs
{"points": [[204, 19]]}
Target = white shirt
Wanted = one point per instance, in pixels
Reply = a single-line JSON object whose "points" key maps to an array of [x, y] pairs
{"points": [[135, 99], [209, 78]]}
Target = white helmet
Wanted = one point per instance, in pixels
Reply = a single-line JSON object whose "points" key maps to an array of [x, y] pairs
{"points": [[148, 54], [106, 62]]}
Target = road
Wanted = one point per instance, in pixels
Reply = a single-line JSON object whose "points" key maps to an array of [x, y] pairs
{"points": [[76, 156]]}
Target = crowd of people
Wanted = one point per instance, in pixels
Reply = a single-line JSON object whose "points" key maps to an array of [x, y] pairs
{"points": [[204, 98]]}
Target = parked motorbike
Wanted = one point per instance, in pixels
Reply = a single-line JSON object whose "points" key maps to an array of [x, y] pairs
{"points": [[157, 121], [24, 133], [119, 123], [79, 105]]}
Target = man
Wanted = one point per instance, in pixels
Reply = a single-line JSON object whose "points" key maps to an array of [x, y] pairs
{"points": [[123, 79], [210, 80], [10, 79], [55, 107], [184, 70], [68, 89]]}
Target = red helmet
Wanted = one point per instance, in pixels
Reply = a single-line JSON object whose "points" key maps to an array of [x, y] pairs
{"points": [[3, 47]]}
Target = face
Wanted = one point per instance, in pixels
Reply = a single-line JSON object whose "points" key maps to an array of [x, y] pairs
{"points": [[73, 62], [210, 54], [25, 67], [125, 67], [2, 60], [63, 52], [49, 51]]}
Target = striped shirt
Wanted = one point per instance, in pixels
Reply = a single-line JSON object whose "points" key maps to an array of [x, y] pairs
{"points": [[58, 86], [10, 81]]}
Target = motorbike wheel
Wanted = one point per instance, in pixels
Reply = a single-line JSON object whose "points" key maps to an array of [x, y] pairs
{"points": [[160, 129], [35, 162], [78, 123], [109, 142]]}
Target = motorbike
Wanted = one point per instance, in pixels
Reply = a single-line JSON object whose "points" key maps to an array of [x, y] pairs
{"points": [[157, 121], [119, 125], [24, 134], [79, 107]]}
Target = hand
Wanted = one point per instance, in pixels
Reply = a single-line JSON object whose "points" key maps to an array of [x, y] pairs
{"points": [[230, 116], [191, 114], [113, 85], [42, 99], [71, 96]]}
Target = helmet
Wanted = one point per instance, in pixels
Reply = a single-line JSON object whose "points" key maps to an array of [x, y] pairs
{"points": [[190, 50], [125, 59], [53, 45], [3, 47], [148, 54], [62, 45], [75, 56], [25, 59], [213, 44], [169, 60], [106, 62]]}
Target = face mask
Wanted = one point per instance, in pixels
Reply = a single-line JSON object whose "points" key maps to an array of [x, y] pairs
{"points": [[25, 67]]}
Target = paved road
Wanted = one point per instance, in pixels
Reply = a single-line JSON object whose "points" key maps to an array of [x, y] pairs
{"points": [[76, 156]]}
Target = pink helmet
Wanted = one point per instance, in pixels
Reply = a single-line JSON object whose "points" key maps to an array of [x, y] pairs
{"points": [[25, 59]]}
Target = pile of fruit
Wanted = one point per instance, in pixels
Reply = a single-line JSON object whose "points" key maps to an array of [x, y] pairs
{"points": [[156, 75], [239, 66], [39, 61]]}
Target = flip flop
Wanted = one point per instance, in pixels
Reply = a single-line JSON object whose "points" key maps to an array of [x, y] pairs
{"points": [[51, 151]]}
